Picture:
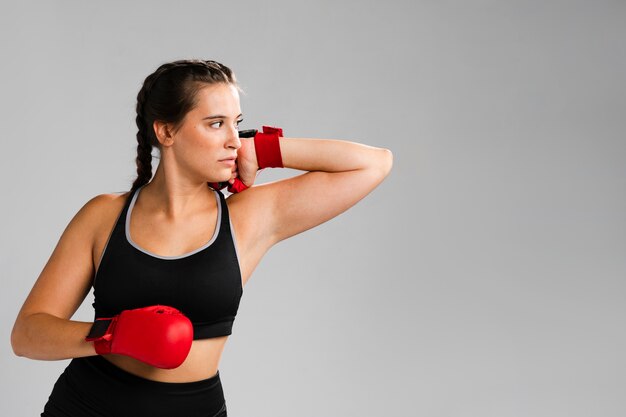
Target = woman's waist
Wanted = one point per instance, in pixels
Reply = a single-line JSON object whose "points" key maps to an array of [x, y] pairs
{"points": [[201, 363]]}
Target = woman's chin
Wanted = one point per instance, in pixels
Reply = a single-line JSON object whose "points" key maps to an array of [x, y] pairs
{"points": [[225, 180]]}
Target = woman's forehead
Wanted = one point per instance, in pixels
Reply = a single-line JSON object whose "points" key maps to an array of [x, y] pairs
{"points": [[223, 98]]}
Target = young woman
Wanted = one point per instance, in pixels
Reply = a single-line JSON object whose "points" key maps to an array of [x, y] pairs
{"points": [[168, 260]]}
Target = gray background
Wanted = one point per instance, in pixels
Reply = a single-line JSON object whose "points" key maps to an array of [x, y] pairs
{"points": [[484, 277]]}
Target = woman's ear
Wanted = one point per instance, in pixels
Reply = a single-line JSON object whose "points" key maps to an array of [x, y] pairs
{"points": [[163, 132]]}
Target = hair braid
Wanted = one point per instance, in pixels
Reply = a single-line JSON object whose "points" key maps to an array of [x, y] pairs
{"points": [[144, 157], [144, 145]]}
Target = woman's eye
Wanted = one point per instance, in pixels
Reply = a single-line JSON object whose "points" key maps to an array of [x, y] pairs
{"points": [[220, 123]]}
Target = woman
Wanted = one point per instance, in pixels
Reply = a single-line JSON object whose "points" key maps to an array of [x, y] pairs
{"points": [[168, 260]]}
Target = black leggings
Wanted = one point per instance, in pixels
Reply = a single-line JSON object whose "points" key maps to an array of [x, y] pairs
{"points": [[93, 386]]}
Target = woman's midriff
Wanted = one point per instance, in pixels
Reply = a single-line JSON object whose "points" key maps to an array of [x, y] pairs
{"points": [[201, 363]]}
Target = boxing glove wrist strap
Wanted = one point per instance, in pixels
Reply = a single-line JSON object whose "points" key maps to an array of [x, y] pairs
{"points": [[98, 329], [101, 334], [267, 147]]}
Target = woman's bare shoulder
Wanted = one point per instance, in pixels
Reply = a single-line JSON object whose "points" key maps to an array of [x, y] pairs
{"points": [[111, 198], [103, 204], [97, 212]]}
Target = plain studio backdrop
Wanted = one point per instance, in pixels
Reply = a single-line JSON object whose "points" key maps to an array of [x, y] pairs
{"points": [[484, 277]]}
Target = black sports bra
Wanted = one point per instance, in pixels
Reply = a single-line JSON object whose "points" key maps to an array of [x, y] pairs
{"points": [[205, 284]]}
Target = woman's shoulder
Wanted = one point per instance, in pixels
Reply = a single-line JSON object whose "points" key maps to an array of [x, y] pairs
{"points": [[104, 203], [98, 210]]}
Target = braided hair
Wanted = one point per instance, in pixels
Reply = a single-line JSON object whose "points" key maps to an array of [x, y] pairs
{"points": [[167, 95]]}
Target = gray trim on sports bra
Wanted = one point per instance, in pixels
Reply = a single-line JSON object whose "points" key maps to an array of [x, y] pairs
{"points": [[184, 255], [232, 233]]}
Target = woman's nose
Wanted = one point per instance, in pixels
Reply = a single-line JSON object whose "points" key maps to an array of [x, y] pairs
{"points": [[233, 139]]}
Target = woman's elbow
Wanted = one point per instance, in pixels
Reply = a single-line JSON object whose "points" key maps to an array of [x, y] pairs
{"points": [[383, 161], [378, 167], [388, 159], [20, 336], [16, 340]]}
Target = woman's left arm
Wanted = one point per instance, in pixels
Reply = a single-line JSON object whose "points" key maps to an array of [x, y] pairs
{"points": [[340, 174]]}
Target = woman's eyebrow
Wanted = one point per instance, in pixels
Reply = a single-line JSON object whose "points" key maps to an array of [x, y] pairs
{"points": [[219, 116]]}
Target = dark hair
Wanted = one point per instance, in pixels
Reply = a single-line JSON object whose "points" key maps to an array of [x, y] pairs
{"points": [[167, 95]]}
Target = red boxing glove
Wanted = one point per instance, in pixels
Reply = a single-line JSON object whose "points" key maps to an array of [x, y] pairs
{"points": [[268, 155], [158, 335]]}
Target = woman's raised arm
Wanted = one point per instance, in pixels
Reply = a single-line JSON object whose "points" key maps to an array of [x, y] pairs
{"points": [[340, 174]]}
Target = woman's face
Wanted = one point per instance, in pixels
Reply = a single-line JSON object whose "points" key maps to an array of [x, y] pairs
{"points": [[209, 133]]}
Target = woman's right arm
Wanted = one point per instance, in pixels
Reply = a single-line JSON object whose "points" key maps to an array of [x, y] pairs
{"points": [[43, 329]]}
